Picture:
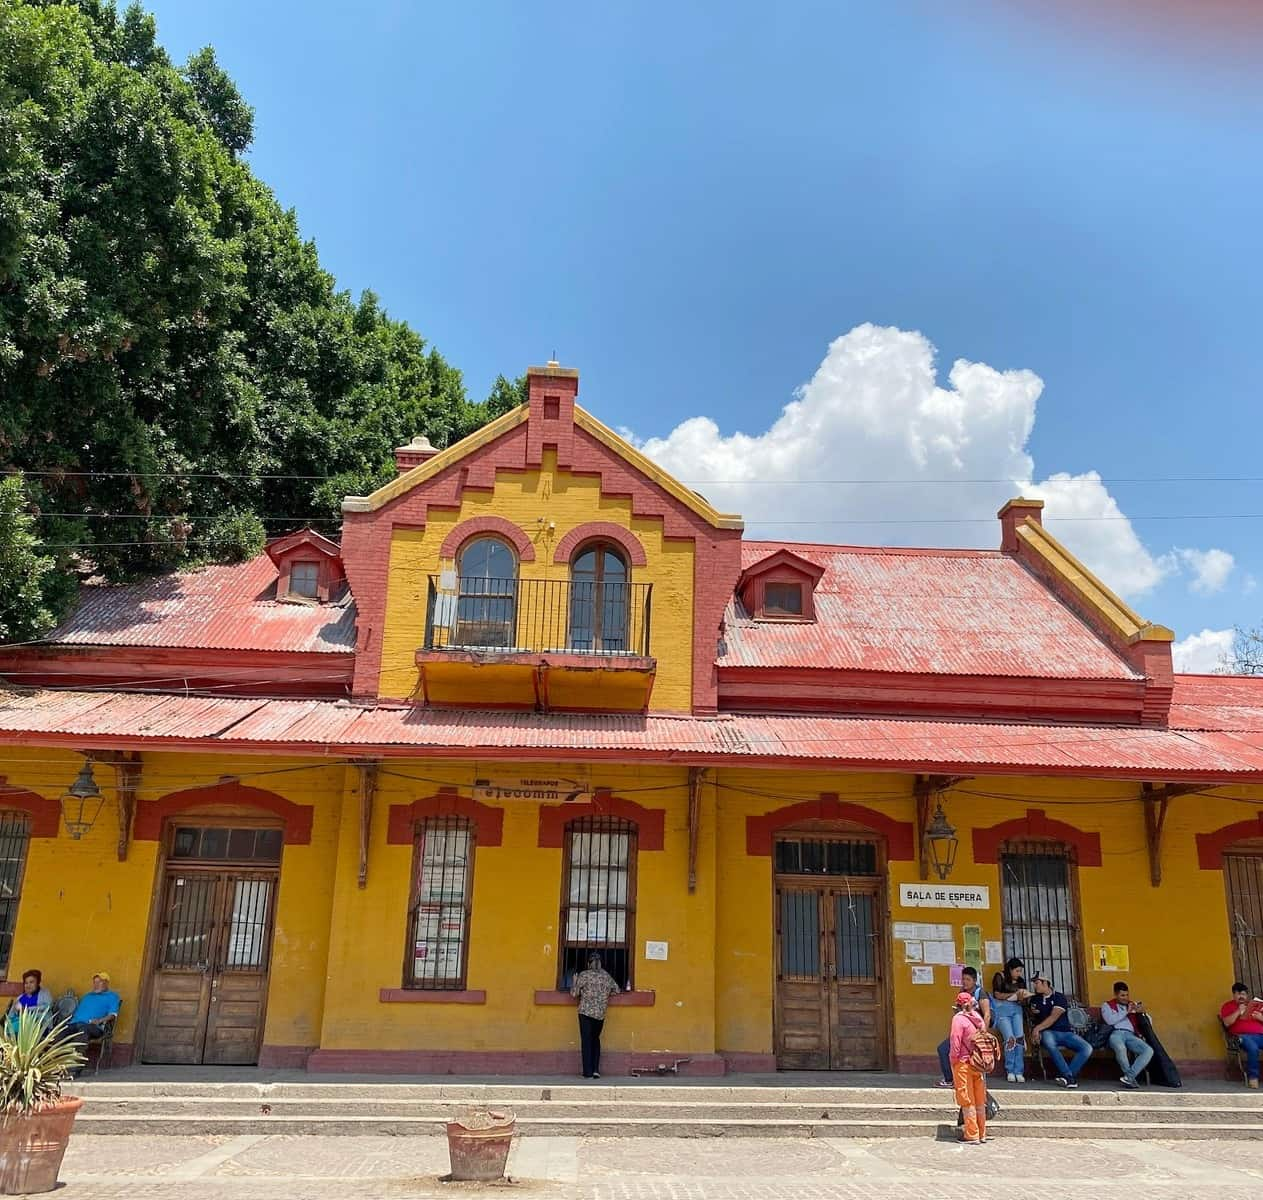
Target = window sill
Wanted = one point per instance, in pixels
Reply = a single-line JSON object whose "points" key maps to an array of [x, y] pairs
{"points": [[637, 999], [432, 996]]}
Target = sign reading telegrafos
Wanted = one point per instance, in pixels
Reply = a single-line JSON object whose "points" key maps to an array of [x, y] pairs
{"points": [[552, 791], [944, 895]]}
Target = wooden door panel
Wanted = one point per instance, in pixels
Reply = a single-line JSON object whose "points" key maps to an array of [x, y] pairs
{"points": [[803, 1042], [857, 1002], [801, 1018], [239, 989]]}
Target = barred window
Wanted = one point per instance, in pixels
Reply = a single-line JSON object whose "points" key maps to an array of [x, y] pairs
{"points": [[1039, 911], [598, 902], [15, 837], [438, 917]]}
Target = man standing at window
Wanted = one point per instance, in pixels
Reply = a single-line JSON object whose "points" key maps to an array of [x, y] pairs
{"points": [[593, 987], [1124, 1034], [1052, 1028]]}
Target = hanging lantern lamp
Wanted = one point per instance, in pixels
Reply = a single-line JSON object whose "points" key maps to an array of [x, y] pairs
{"points": [[940, 837], [82, 803]]}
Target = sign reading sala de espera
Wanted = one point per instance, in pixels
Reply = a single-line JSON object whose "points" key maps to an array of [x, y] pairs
{"points": [[944, 895]]}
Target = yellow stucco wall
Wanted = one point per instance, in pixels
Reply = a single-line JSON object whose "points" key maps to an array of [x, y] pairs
{"points": [[514, 930], [546, 504], [337, 945]]}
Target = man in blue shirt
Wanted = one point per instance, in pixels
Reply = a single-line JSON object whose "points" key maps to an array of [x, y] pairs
{"points": [[1052, 1028], [95, 1012]]}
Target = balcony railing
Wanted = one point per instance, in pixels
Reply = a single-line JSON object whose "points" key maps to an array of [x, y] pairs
{"points": [[538, 615]]}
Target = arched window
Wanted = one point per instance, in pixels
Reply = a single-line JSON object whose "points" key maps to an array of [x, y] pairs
{"points": [[598, 901], [486, 611], [600, 599], [1039, 911]]}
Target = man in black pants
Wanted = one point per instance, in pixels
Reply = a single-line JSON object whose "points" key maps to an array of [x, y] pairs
{"points": [[593, 987]]}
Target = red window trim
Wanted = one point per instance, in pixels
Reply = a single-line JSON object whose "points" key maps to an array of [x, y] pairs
{"points": [[488, 822], [1036, 825], [296, 819], [761, 830]]}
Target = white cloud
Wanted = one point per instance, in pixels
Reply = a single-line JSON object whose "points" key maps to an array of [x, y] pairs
{"points": [[1210, 569], [1203, 653], [874, 411]]}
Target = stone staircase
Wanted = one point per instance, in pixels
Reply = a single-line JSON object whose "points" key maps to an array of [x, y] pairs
{"points": [[651, 1110]]}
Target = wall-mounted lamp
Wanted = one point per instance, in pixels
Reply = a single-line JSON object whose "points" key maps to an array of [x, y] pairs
{"points": [[82, 803], [940, 838]]}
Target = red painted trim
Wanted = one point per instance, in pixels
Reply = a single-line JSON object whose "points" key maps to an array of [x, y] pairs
{"points": [[150, 814], [644, 998], [488, 822], [1211, 846], [511, 533], [504, 1062], [45, 814], [11, 987], [900, 835], [416, 996], [604, 531], [650, 822], [285, 1058], [743, 1062], [1036, 824]]}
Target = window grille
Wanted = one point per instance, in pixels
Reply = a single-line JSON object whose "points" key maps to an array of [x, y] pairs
{"points": [[438, 920], [825, 856], [1243, 875], [598, 901], [1039, 911], [217, 843], [15, 837]]}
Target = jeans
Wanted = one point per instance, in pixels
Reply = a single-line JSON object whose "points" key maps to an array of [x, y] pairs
{"points": [[944, 1062], [1008, 1023], [1054, 1040], [1121, 1042], [1251, 1043], [590, 1043]]}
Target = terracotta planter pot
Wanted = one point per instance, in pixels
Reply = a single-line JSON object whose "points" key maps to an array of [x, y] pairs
{"points": [[479, 1154], [32, 1146]]}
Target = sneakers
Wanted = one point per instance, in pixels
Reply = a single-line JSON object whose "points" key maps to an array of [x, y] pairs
{"points": [[1072, 1083], [1128, 1082], [1254, 1083], [1021, 1079], [1062, 1081], [596, 1074], [1011, 1077], [943, 1083]]}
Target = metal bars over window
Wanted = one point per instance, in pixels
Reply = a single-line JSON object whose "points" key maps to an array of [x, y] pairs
{"points": [[15, 837], [825, 856], [1040, 911], [1243, 877], [598, 898], [438, 918]]}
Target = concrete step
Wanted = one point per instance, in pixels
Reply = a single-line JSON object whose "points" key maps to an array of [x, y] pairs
{"points": [[872, 1127], [325, 1108]]}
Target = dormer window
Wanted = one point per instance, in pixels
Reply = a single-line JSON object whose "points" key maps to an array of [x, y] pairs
{"points": [[782, 599], [304, 579], [780, 586]]}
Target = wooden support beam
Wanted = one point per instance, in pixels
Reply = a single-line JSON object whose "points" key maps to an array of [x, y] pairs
{"points": [[367, 769], [1156, 800], [126, 764], [695, 821]]}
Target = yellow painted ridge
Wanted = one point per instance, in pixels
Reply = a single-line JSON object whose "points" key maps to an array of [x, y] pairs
{"points": [[1119, 616]]}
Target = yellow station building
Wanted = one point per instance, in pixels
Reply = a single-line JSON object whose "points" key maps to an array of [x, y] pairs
{"points": [[364, 804]]}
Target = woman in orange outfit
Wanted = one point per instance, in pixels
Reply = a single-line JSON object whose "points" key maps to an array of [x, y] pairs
{"points": [[970, 1083]]}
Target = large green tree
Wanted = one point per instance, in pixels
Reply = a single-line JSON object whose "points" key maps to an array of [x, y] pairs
{"points": [[177, 371]]}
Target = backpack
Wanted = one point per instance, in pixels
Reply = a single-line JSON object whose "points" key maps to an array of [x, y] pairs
{"points": [[984, 1050]]}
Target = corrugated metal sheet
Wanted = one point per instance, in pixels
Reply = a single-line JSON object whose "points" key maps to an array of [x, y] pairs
{"points": [[341, 727], [1224, 702], [215, 608], [940, 612]]}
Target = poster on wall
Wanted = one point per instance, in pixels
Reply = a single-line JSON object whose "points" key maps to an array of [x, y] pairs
{"points": [[995, 952], [912, 952], [956, 974], [1111, 958], [918, 931], [940, 952], [922, 974]]}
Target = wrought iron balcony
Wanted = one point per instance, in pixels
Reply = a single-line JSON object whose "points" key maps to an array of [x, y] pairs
{"points": [[610, 620]]}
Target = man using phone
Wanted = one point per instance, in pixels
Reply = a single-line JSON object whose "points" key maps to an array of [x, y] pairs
{"points": [[1052, 1028], [1125, 1039], [1239, 1017]]}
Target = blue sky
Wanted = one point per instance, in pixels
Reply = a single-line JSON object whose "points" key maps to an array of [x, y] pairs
{"points": [[697, 205]]}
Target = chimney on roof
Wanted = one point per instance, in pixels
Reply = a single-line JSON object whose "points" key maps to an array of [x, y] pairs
{"points": [[551, 392], [414, 453], [1016, 512]]}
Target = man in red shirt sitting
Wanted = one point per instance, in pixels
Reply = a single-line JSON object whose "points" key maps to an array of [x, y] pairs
{"points": [[1241, 1019]]}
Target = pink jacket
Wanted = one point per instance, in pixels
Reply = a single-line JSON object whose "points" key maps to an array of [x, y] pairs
{"points": [[963, 1026]]}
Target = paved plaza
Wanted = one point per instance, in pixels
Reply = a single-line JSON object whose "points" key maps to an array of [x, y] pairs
{"points": [[282, 1167]]}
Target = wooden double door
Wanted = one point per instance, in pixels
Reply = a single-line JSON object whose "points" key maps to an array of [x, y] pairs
{"points": [[831, 1008], [207, 994]]}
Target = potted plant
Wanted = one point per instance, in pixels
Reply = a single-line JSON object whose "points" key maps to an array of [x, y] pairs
{"points": [[35, 1119]]}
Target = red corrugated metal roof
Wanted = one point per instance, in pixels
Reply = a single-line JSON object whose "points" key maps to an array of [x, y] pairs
{"points": [[955, 612], [229, 607], [1223, 702], [342, 727]]}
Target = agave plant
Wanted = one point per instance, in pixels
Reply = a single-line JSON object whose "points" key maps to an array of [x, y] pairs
{"points": [[35, 1060]]}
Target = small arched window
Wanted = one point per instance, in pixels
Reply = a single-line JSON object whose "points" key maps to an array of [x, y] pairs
{"points": [[486, 611], [600, 599]]}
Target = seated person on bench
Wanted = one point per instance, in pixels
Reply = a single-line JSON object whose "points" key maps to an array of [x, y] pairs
{"points": [[34, 995], [1125, 1035], [1240, 1017], [95, 1010]]}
